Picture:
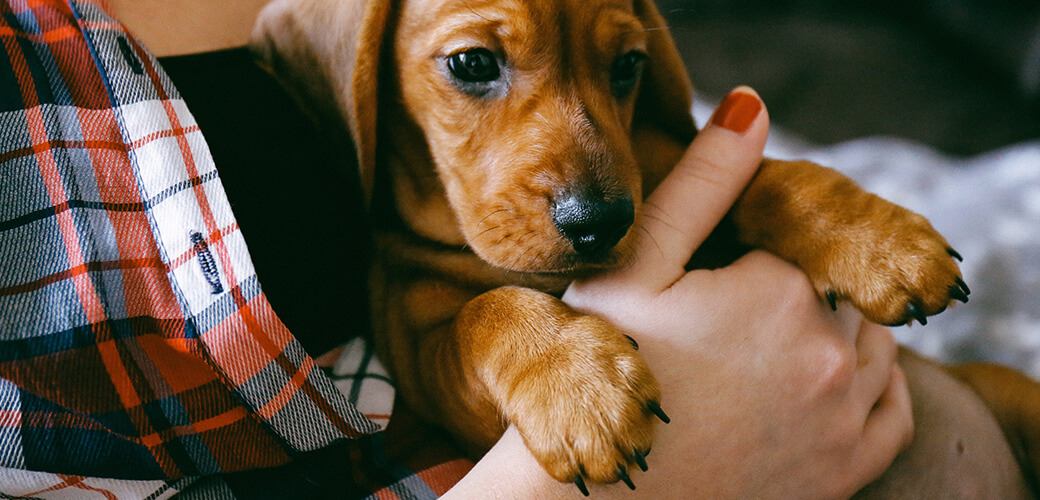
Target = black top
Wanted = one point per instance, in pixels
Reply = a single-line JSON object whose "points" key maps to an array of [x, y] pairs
{"points": [[296, 199]]}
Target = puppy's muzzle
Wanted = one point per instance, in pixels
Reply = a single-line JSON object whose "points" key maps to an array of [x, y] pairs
{"points": [[591, 222]]}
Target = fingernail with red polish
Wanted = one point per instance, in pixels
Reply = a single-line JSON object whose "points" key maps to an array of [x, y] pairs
{"points": [[737, 111]]}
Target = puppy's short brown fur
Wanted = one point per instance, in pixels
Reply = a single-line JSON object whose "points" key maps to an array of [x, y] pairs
{"points": [[506, 146]]}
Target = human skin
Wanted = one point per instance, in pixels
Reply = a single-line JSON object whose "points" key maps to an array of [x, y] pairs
{"points": [[178, 27]]}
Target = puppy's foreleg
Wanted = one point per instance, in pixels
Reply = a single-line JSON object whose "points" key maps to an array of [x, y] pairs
{"points": [[888, 261], [572, 384]]}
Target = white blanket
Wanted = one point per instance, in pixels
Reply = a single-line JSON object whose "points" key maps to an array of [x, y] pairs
{"points": [[987, 206]]}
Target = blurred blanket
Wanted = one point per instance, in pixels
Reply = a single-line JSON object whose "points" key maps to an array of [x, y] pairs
{"points": [[987, 206]]}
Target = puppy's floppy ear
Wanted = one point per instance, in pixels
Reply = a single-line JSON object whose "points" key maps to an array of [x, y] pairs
{"points": [[663, 126], [327, 52]]}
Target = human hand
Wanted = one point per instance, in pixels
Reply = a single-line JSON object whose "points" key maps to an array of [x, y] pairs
{"points": [[771, 394]]}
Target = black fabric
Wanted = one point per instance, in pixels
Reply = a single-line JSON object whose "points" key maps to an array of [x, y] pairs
{"points": [[295, 195]]}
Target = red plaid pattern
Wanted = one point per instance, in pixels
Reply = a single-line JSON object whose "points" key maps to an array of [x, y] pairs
{"points": [[138, 355]]}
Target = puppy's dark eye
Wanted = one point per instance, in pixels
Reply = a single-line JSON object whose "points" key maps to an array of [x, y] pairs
{"points": [[474, 65], [625, 72]]}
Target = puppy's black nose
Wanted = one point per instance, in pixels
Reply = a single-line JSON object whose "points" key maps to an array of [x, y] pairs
{"points": [[592, 223]]}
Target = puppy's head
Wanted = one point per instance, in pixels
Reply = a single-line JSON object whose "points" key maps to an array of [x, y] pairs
{"points": [[545, 121], [528, 110]]}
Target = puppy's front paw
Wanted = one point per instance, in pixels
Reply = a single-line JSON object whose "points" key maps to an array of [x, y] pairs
{"points": [[587, 411], [891, 264], [886, 260]]}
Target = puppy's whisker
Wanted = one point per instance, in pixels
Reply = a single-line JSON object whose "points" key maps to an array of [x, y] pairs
{"points": [[539, 256], [519, 258], [473, 11], [503, 238], [650, 236], [482, 233], [656, 218], [661, 220], [529, 233], [493, 212], [515, 263]]}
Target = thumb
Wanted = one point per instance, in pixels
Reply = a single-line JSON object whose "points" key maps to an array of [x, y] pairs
{"points": [[680, 214]]}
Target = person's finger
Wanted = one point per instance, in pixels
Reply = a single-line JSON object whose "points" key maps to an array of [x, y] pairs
{"points": [[888, 430], [876, 355], [691, 201]]}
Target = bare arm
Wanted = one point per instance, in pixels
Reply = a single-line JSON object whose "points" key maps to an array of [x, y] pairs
{"points": [[177, 27]]}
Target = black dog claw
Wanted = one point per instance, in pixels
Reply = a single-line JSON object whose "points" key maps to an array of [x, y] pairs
{"points": [[915, 311], [580, 483], [957, 293], [640, 459], [953, 253], [655, 408], [963, 285], [622, 474], [635, 345], [832, 299]]}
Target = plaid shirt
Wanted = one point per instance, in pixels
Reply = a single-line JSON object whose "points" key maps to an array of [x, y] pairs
{"points": [[138, 355]]}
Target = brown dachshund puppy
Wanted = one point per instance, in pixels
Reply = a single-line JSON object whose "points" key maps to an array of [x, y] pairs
{"points": [[506, 146]]}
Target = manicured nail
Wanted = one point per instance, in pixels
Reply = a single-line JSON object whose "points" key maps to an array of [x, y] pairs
{"points": [[737, 111]]}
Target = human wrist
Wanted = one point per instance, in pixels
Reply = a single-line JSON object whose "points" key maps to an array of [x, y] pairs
{"points": [[508, 471]]}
